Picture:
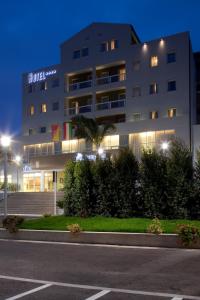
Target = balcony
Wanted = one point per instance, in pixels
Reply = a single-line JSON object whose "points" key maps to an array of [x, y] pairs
{"points": [[110, 104], [110, 74], [78, 81], [80, 85], [80, 110]]}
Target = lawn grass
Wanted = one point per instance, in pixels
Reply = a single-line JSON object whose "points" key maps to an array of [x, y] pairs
{"points": [[103, 224]]}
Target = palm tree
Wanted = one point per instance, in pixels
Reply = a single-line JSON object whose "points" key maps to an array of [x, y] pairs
{"points": [[90, 130]]}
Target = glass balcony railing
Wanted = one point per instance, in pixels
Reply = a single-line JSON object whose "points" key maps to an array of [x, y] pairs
{"points": [[80, 85], [111, 104], [80, 110], [111, 79]]}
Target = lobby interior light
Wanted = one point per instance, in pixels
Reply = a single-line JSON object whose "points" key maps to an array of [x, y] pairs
{"points": [[5, 141]]}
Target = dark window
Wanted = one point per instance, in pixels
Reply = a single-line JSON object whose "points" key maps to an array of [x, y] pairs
{"points": [[55, 82], [43, 129], [85, 52], [55, 106], [153, 88], [30, 88], [77, 54], [171, 86], [30, 131], [43, 86], [104, 47], [171, 57]]}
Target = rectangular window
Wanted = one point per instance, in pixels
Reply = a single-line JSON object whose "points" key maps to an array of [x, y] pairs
{"points": [[43, 129], [153, 61], [136, 65], [153, 88], [43, 108], [171, 57], [171, 86], [104, 47], [30, 131], [76, 54], [55, 106], [85, 52], [30, 88], [136, 116], [32, 110], [171, 112], [114, 44], [153, 115], [43, 86], [136, 91], [55, 82]]}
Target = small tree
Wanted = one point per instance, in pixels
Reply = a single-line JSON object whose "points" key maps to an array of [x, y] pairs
{"points": [[69, 190]]}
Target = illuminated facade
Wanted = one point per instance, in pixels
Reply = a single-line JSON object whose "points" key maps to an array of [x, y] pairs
{"points": [[146, 89]]}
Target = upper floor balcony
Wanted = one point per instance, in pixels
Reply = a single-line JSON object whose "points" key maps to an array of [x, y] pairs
{"points": [[78, 105], [78, 81], [110, 100], [111, 74]]}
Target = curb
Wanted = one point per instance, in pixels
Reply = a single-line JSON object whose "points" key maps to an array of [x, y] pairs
{"points": [[108, 238]]}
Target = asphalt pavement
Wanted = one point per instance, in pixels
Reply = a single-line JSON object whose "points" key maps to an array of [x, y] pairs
{"points": [[38, 270]]}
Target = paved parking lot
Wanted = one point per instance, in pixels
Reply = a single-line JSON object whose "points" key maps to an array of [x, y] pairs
{"points": [[63, 271]]}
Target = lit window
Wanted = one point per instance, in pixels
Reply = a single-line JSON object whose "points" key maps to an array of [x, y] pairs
{"points": [[43, 86], [136, 65], [32, 110], [76, 54], [153, 115], [136, 117], [43, 129], [104, 47], [55, 106], [154, 61], [136, 91], [171, 57], [85, 52], [171, 112], [43, 108], [153, 88], [171, 86], [114, 44]]}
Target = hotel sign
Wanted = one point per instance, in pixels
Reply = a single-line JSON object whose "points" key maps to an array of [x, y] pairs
{"points": [[40, 76]]}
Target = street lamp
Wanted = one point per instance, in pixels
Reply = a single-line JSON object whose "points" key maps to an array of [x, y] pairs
{"points": [[17, 161], [100, 151], [5, 143], [165, 146]]}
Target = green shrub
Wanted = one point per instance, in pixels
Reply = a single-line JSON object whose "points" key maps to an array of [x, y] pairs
{"points": [[47, 215], [74, 228], [11, 223], [155, 227], [189, 234], [60, 203]]}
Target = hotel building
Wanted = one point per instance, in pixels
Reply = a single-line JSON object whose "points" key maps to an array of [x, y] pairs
{"points": [[147, 89]]}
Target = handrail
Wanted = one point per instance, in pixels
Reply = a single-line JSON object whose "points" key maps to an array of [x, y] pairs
{"points": [[111, 104], [80, 109], [110, 79], [80, 85]]}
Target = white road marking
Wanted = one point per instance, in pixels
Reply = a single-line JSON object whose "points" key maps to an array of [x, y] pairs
{"points": [[100, 288], [29, 292], [177, 298], [99, 295], [96, 245]]}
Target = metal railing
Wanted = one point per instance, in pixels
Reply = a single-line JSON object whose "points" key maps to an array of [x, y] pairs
{"points": [[80, 85], [111, 104], [111, 79], [80, 110]]}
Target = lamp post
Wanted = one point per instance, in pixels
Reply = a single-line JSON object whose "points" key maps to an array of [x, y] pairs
{"points": [[5, 143], [17, 161]]}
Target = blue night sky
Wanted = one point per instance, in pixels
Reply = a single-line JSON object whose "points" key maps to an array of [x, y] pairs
{"points": [[31, 32]]}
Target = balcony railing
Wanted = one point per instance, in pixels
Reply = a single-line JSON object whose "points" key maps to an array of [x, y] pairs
{"points": [[111, 79], [110, 104], [80, 85], [80, 110]]}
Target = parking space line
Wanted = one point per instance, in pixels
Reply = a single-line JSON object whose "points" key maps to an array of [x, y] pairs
{"points": [[100, 288], [99, 295], [177, 298], [30, 292]]}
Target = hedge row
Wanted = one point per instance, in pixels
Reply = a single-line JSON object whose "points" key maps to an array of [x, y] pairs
{"points": [[165, 185]]}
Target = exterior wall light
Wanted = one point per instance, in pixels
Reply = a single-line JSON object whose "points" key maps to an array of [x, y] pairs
{"points": [[162, 43], [144, 47]]}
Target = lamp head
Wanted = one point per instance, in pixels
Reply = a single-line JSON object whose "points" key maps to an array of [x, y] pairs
{"points": [[5, 141]]}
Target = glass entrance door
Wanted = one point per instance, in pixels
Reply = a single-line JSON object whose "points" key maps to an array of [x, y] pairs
{"points": [[32, 182]]}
